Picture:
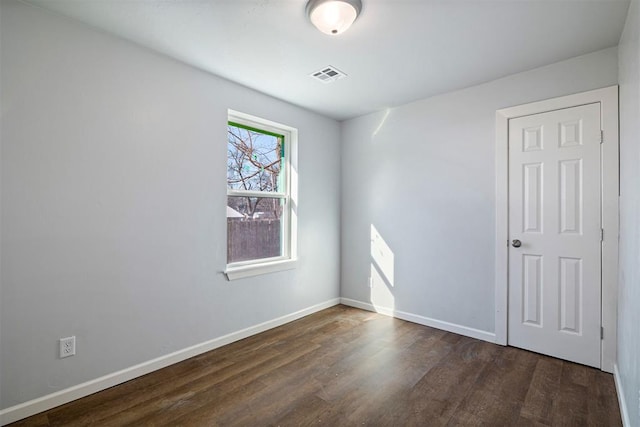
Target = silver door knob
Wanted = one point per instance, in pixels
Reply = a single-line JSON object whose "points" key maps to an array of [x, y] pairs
{"points": [[516, 243]]}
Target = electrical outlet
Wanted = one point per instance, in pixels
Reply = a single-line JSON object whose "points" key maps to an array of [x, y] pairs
{"points": [[67, 346]]}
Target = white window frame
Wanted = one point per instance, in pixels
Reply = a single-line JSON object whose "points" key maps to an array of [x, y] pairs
{"points": [[287, 261]]}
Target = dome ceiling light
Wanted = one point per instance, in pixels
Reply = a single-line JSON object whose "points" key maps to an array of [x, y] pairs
{"points": [[333, 16]]}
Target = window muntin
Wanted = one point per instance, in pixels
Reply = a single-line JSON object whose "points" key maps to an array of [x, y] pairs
{"points": [[259, 216]]}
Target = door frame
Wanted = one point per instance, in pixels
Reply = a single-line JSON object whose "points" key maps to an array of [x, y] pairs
{"points": [[608, 99]]}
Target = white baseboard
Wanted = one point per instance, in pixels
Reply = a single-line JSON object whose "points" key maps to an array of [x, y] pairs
{"points": [[624, 414], [35, 406], [421, 320]]}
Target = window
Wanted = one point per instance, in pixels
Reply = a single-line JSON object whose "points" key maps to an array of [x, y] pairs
{"points": [[260, 207]]}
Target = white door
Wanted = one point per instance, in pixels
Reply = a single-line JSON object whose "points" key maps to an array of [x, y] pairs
{"points": [[555, 233]]}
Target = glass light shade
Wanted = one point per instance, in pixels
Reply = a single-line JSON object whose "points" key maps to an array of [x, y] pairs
{"points": [[333, 17]]}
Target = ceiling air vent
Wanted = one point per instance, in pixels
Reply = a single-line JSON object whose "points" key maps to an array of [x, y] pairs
{"points": [[328, 74]]}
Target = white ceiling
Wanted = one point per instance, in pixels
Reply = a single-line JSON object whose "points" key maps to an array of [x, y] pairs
{"points": [[396, 52]]}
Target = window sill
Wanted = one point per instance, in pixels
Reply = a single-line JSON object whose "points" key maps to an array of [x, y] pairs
{"points": [[243, 271]]}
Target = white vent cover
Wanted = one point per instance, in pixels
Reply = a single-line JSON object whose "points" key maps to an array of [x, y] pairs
{"points": [[328, 74]]}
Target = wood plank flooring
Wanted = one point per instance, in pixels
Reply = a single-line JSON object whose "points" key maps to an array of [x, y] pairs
{"points": [[348, 367]]}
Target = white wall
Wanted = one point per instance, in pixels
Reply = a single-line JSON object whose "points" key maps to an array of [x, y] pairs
{"points": [[113, 206], [629, 273], [424, 175]]}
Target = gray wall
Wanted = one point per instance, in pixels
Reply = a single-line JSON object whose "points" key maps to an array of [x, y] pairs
{"points": [[423, 175], [629, 280], [113, 206]]}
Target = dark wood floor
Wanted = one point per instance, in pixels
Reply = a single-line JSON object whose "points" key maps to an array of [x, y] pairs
{"points": [[347, 367]]}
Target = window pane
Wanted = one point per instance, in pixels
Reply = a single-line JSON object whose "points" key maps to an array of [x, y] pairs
{"points": [[254, 228], [254, 160]]}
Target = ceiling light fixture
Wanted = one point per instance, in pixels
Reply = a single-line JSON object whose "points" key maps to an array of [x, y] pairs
{"points": [[333, 16]]}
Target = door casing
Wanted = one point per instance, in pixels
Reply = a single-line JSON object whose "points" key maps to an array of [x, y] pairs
{"points": [[608, 99]]}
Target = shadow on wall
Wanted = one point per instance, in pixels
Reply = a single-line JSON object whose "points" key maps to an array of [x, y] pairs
{"points": [[381, 279]]}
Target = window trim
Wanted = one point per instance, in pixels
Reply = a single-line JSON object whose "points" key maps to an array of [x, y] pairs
{"points": [[287, 261], [256, 269]]}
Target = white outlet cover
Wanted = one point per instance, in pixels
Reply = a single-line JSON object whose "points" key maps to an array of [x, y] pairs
{"points": [[67, 346]]}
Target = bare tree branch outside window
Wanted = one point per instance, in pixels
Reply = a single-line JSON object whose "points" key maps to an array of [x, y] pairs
{"points": [[254, 163]]}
